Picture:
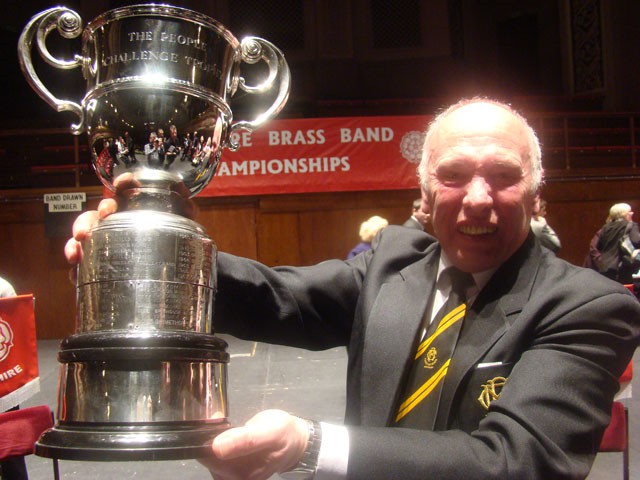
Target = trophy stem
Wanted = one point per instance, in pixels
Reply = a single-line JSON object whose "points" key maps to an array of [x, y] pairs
{"points": [[156, 199]]}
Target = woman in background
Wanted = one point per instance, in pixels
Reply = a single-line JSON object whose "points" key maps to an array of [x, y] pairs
{"points": [[368, 231], [610, 264]]}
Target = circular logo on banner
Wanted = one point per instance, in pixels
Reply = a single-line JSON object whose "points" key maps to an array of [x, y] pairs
{"points": [[6, 339], [411, 146]]}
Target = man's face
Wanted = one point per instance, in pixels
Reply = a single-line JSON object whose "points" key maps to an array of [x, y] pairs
{"points": [[479, 180]]}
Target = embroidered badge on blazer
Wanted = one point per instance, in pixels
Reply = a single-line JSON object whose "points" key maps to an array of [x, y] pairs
{"points": [[491, 391]]}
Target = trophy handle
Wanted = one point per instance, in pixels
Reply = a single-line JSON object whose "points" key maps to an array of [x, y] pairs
{"points": [[255, 49], [69, 25]]}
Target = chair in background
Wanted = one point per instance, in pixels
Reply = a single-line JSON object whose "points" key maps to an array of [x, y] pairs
{"points": [[616, 436], [20, 429]]}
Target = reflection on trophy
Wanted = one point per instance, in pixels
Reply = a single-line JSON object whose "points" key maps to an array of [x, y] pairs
{"points": [[144, 377]]}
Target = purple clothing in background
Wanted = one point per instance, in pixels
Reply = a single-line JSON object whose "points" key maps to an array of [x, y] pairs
{"points": [[359, 248]]}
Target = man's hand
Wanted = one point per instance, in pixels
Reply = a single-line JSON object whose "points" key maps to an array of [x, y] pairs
{"points": [[87, 220], [83, 224], [272, 441]]}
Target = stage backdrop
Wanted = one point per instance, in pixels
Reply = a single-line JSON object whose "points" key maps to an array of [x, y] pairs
{"points": [[323, 155]]}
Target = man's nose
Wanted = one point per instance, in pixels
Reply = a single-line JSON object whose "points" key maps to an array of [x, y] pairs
{"points": [[478, 194]]}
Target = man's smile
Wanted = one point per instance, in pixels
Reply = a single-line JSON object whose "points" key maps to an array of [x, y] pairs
{"points": [[476, 230]]}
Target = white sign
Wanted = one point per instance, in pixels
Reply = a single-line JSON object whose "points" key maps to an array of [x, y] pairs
{"points": [[65, 202]]}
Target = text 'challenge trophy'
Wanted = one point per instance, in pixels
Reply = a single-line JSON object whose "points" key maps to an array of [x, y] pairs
{"points": [[144, 377]]}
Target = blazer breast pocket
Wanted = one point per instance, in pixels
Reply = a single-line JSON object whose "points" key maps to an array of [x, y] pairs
{"points": [[484, 387]]}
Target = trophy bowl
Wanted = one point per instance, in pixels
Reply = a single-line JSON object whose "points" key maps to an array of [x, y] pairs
{"points": [[144, 377]]}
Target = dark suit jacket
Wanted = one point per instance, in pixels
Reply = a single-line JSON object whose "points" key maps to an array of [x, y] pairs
{"points": [[562, 335], [413, 223]]}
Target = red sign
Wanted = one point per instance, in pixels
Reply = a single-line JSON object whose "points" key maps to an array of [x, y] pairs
{"points": [[323, 155], [18, 351]]}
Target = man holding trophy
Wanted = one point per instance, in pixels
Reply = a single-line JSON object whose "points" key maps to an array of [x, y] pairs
{"points": [[477, 355], [527, 391]]}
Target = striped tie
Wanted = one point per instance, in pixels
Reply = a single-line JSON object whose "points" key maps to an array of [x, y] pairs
{"points": [[433, 356]]}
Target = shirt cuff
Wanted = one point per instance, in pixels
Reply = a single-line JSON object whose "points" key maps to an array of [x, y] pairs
{"points": [[334, 453]]}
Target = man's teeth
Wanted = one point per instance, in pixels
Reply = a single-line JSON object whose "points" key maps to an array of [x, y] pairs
{"points": [[473, 230]]}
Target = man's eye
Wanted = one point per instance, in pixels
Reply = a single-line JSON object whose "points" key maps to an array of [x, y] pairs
{"points": [[507, 177], [451, 176]]}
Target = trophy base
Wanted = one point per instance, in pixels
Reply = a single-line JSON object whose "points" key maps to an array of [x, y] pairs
{"points": [[153, 395], [105, 444]]}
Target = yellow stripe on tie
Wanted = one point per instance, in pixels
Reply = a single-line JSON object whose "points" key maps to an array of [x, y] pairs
{"points": [[428, 386], [449, 319]]}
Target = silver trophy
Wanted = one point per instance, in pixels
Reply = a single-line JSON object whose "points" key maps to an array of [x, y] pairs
{"points": [[144, 377]]}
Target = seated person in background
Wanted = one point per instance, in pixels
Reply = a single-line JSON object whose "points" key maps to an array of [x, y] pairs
{"points": [[368, 230], [541, 229], [527, 364], [172, 147], [419, 218]]}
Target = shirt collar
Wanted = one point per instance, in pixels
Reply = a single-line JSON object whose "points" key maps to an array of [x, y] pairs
{"points": [[480, 278]]}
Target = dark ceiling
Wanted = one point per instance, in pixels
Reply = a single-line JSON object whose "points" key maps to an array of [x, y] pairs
{"points": [[340, 52], [358, 57]]}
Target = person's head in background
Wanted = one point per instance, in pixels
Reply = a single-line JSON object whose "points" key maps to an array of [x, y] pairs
{"points": [[542, 208], [620, 211], [419, 213], [370, 228]]}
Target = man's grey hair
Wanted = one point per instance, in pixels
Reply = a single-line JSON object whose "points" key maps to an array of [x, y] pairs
{"points": [[534, 151]]}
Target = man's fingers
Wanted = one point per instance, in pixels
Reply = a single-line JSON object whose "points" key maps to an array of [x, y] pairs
{"points": [[238, 442], [270, 430], [73, 251], [106, 207], [256, 435], [83, 224], [125, 181]]}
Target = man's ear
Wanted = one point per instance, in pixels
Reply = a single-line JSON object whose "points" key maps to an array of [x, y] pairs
{"points": [[535, 206], [426, 205], [535, 202]]}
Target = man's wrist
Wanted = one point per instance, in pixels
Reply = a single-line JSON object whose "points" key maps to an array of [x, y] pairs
{"points": [[306, 468]]}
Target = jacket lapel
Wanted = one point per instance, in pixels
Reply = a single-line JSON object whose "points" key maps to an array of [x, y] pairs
{"points": [[495, 309], [390, 338], [397, 315]]}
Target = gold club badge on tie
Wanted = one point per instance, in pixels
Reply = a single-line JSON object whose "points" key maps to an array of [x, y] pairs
{"points": [[491, 391], [431, 358]]}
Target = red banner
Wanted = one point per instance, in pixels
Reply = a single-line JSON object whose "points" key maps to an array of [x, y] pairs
{"points": [[323, 155], [18, 351]]}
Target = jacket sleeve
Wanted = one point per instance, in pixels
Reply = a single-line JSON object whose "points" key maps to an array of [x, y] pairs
{"points": [[307, 307]]}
